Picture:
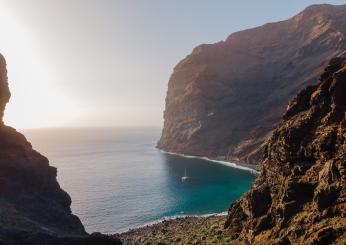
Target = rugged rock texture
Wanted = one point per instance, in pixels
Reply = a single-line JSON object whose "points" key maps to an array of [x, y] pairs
{"points": [[4, 90], [224, 99], [33, 207], [300, 197], [187, 230]]}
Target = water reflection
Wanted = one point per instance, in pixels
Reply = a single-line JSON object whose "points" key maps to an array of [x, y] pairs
{"points": [[118, 180], [211, 187]]}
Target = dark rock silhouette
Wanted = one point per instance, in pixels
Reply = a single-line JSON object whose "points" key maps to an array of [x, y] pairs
{"points": [[33, 207], [300, 196], [4, 90], [224, 99]]}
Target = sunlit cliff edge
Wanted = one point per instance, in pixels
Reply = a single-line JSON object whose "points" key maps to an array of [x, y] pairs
{"points": [[224, 99]]}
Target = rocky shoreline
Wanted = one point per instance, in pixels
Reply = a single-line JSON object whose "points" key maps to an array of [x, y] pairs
{"points": [[255, 168], [187, 230], [300, 195], [299, 198]]}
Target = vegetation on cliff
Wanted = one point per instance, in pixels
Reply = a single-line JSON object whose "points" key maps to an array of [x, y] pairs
{"points": [[189, 230], [300, 197]]}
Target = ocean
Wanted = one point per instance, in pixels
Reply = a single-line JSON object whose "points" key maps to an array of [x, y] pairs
{"points": [[118, 180]]}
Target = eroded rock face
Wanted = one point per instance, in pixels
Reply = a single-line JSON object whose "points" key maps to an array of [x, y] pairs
{"points": [[33, 207], [4, 91], [300, 197], [224, 99]]}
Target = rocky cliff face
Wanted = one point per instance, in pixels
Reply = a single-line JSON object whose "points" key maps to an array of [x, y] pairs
{"points": [[33, 207], [300, 197], [224, 99], [4, 90]]}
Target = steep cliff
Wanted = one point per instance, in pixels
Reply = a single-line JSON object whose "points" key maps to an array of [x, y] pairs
{"points": [[33, 207], [4, 90], [300, 196], [224, 99]]}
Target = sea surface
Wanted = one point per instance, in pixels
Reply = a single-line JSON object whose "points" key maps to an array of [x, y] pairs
{"points": [[118, 179]]}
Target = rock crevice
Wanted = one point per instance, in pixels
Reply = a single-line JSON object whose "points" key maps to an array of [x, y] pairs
{"points": [[300, 197]]}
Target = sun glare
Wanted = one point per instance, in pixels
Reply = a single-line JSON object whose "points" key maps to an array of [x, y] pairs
{"points": [[36, 100]]}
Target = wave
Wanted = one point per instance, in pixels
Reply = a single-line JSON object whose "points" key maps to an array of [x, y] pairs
{"points": [[168, 218], [229, 164]]}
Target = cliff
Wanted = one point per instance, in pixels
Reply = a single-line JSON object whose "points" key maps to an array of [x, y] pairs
{"points": [[224, 99], [300, 196], [33, 207]]}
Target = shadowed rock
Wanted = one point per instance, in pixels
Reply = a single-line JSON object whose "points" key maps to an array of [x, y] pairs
{"points": [[4, 91], [33, 207], [300, 197]]}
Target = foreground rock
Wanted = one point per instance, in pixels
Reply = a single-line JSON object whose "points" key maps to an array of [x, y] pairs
{"points": [[190, 230], [224, 99], [300, 197], [33, 207]]}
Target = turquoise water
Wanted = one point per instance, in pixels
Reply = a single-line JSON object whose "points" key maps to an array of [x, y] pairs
{"points": [[118, 180]]}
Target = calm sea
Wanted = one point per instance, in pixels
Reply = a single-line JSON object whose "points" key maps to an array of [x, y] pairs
{"points": [[118, 180]]}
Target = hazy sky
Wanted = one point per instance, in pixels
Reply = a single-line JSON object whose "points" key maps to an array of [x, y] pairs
{"points": [[107, 62]]}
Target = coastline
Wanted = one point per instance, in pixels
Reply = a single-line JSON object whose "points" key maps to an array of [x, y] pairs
{"points": [[132, 234], [243, 166], [141, 230], [190, 230], [170, 218]]}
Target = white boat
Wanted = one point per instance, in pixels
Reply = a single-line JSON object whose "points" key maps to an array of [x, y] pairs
{"points": [[185, 177]]}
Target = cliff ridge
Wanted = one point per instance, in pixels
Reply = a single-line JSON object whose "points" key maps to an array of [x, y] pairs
{"points": [[224, 99], [300, 196]]}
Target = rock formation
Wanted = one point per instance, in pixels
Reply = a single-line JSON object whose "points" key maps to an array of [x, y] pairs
{"points": [[33, 207], [224, 99], [4, 90], [300, 196]]}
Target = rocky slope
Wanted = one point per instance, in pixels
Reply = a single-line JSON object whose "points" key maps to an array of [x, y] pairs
{"points": [[33, 207], [188, 230], [224, 99], [300, 197]]}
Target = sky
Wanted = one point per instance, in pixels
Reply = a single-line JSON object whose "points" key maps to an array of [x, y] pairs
{"points": [[105, 63]]}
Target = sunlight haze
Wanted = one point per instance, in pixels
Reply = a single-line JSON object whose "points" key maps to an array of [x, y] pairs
{"points": [[107, 63]]}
